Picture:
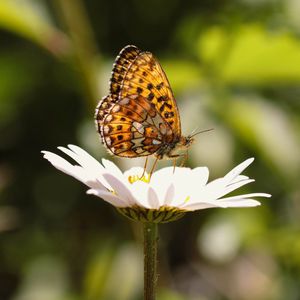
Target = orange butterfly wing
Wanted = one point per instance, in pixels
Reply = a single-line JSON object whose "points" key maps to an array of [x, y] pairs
{"points": [[140, 114]]}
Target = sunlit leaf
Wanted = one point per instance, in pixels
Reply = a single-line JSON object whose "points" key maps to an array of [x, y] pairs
{"points": [[30, 20], [252, 55], [182, 74]]}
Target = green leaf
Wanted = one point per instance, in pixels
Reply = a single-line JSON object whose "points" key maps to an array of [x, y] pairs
{"points": [[251, 55], [29, 20], [182, 74]]}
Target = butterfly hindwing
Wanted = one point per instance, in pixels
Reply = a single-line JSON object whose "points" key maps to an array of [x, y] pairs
{"points": [[129, 128]]}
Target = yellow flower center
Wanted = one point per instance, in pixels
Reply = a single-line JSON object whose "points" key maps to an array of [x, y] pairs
{"points": [[133, 178]]}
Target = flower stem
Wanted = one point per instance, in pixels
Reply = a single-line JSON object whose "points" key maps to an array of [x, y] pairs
{"points": [[150, 259]]}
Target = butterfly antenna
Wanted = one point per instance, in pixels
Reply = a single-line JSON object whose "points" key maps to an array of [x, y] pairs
{"points": [[194, 130], [206, 130]]}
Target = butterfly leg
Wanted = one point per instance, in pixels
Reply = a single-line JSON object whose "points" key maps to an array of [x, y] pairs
{"points": [[145, 166], [174, 164], [174, 161], [153, 167], [185, 158]]}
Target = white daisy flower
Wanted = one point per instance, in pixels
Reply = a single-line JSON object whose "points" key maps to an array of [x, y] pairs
{"points": [[166, 197]]}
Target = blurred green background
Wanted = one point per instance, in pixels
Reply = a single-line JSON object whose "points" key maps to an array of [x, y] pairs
{"points": [[234, 65]]}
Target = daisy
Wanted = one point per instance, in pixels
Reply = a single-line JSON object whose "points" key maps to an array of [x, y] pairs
{"points": [[164, 197]]}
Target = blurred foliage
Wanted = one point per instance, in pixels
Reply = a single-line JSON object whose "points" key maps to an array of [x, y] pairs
{"points": [[233, 65]]}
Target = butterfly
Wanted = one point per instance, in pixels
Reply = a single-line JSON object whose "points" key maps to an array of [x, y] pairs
{"points": [[140, 117]]}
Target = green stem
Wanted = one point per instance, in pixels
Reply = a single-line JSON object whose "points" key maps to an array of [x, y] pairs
{"points": [[150, 260]]}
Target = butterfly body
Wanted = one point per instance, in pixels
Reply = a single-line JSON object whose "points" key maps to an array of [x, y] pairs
{"points": [[140, 116], [174, 149]]}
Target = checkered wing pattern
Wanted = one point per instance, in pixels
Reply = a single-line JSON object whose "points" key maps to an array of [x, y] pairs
{"points": [[140, 114]]}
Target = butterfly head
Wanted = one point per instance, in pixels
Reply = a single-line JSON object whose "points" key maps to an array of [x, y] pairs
{"points": [[186, 141]]}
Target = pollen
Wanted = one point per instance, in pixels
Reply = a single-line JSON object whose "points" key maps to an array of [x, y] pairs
{"points": [[134, 178]]}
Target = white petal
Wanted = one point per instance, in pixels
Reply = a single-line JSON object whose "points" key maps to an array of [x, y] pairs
{"points": [[162, 174], [239, 178], [180, 197], [188, 182], [112, 168], [90, 160], [245, 196], [182, 175], [200, 205], [108, 197], [184, 188], [84, 176], [75, 171], [59, 162], [184, 182], [234, 186], [240, 203], [210, 192], [121, 189], [201, 175], [225, 204], [238, 170], [92, 167], [191, 183], [140, 191], [218, 188], [82, 158], [169, 197], [161, 181], [153, 199]]}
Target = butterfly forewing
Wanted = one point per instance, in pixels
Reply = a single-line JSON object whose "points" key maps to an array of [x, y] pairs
{"points": [[145, 77], [140, 115], [122, 65]]}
